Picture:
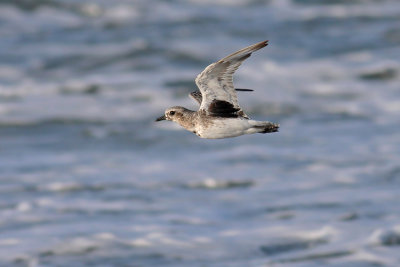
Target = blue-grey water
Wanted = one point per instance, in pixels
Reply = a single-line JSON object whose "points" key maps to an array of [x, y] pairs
{"points": [[87, 178]]}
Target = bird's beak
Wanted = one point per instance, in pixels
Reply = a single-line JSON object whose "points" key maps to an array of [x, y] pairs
{"points": [[162, 118]]}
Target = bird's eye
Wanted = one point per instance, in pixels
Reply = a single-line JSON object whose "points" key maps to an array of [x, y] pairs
{"points": [[172, 113]]}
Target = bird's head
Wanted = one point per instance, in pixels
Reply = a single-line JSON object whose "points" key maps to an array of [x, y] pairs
{"points": [[172, 114]]}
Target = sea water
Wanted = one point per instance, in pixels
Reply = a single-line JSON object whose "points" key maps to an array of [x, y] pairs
{"points": [[87, 178]]}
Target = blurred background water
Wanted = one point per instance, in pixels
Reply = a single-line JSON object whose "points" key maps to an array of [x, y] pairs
{"points": [[88, 179]]}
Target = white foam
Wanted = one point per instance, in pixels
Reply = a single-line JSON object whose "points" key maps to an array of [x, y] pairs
{"points": [[105, 236], [140, 242], [59, 187], [121, 13], [9, 242], [76, 246], [385, 237], [91, 9], [24, 206], [325, 233]]}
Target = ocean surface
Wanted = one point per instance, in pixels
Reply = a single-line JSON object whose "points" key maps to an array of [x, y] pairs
{"points": [[87, 178]]}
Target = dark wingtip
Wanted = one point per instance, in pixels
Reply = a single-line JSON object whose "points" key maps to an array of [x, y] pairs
{"points": [[262, 44]]}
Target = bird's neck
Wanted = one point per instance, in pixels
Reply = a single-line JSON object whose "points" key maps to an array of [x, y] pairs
{"points": [[187, 120]]}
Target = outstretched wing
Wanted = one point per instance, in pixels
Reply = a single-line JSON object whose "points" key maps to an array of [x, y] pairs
{"points": [[196, 95], [219, 97]]}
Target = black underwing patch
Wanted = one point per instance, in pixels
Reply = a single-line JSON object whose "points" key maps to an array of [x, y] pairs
{"points": [[220, 108]]}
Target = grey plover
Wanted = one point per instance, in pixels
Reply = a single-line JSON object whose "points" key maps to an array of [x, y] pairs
{"points": [[219, 115]]}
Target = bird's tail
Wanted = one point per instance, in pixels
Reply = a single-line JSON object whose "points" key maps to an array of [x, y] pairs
{"points": [[266, 127]]}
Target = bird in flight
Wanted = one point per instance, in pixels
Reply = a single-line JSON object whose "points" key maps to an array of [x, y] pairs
{"points": [[219, 115]]}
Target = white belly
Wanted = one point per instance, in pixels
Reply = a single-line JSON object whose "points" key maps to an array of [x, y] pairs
{"points": [[225, 127]]}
